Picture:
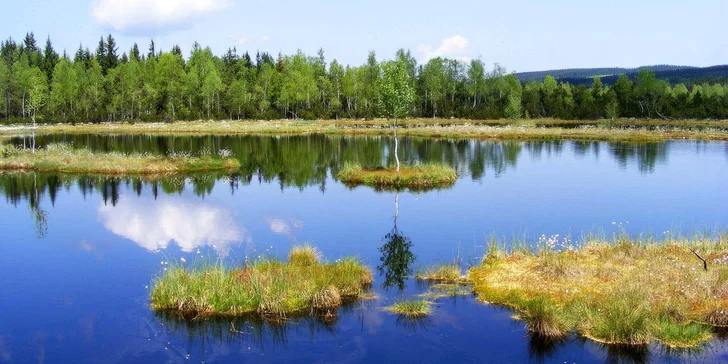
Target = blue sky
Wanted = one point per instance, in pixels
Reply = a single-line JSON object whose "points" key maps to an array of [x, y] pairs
{"points": [[519, 34]]}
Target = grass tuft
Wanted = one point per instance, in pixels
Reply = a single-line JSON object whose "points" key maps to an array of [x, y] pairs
{"points": [[417, 177], [412, 308], [542, 318], [303, 256]]}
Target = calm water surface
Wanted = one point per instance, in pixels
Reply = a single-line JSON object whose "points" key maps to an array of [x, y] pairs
{"points": [[78, 253]]}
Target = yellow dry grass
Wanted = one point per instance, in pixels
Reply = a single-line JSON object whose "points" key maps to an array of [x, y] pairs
{"points": [[627, 292]]}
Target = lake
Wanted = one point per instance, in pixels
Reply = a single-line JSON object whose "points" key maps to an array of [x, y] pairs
{"points": [[80, 252]]}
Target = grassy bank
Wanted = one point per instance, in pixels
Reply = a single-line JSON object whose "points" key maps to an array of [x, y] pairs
{"points": [[269, 288], [63, 158], [623, 292], [416, 177], [526, 129]]}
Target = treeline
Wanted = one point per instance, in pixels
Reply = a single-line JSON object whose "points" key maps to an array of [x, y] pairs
{"points": [[109, 85], [689, 76], [589, 73]]}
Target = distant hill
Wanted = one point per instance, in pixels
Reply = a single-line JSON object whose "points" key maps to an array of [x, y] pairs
{"points": [[673, 74]]}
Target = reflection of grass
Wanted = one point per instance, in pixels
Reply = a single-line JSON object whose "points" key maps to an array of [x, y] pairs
{"points": [[443, 290], [627, 292], [532, 129], [412, 308], [444, 280], [269, 288], [417, 176], [62, 158]]}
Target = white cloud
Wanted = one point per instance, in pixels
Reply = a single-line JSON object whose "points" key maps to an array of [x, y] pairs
{"points": [[239, 38], [154, 224], [148, 16], [242, 39], [453, 47]]}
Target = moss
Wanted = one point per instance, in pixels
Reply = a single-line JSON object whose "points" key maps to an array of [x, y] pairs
{"points": [[416, 177], [62, 158], [631, 292]]}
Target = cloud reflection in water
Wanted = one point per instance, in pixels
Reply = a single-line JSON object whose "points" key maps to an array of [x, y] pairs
{"points": [[154, 224]]}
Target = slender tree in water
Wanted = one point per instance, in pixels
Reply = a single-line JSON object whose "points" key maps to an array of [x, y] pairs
{"points": [[397, 94], [37, 94], [397, 256]]}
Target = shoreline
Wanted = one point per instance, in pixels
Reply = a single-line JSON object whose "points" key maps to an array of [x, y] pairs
{"points": [[537, 129]]}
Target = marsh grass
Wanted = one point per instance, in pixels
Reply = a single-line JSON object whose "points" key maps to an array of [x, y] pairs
{"points": [[524, 129], [618, 291], [411, 308], [269, 288], [63, 158], [417, 176], [446, 273]]}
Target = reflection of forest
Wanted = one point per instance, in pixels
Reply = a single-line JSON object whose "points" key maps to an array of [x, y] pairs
{"points": [[305, 160], [301, 161]]}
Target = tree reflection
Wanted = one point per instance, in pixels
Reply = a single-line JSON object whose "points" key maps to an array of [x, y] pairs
{"points": [[647, 155], [397, 256], [40, 216]]}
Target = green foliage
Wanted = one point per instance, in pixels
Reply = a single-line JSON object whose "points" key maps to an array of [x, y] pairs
{"points": [[395, 89], [167, 86]]}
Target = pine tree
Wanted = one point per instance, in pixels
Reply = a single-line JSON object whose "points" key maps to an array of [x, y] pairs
{"points": [[50, 59], [101, 55], [152, 51], [78, 56], [134, 53], [112, 60]]}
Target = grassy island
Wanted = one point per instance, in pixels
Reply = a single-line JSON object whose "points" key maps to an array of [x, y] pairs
{"points": [[626, 292], [270, 288], [417, 177], [62, 158], [411, 309]]}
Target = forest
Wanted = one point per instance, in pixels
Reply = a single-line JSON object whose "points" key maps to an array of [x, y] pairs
{"points": [[38, 83]]}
